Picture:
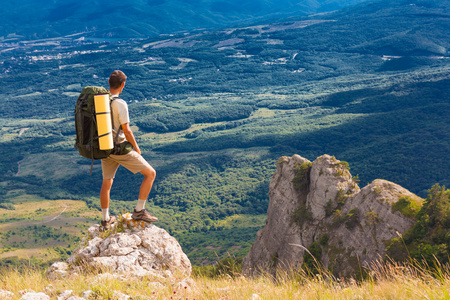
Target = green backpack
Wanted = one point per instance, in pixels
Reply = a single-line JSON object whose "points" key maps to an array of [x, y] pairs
{"points": [[87, 137]]}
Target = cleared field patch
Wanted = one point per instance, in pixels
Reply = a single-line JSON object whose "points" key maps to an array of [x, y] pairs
{"points": [[28, 253], [42, 211], [262, 113], [183, 63], [243, 221], [13, 128], [53, 167], [20, 196], [44, 229]]}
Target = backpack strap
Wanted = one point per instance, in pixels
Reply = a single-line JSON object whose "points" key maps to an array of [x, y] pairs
{"points": [[80, 103], [112, 121]]}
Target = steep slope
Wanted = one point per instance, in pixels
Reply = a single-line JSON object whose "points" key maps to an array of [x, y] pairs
{"points": [[131, 19], [391, 28], [319, 206]]}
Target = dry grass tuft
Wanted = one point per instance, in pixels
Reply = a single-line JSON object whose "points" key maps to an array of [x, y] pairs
{"points": [[389, 280]]}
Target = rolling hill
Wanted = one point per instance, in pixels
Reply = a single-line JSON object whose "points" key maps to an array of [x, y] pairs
{"points": [[31, 19]]}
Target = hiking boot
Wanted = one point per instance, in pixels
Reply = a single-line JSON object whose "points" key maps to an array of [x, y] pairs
{"points": [[143, 215], [108, 223]]}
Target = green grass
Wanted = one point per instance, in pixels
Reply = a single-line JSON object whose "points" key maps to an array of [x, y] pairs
{"points": [[408, 206]]}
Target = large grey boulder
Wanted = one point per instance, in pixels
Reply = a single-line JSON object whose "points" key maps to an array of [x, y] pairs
{"points": [[131, 248], [325, 205]]}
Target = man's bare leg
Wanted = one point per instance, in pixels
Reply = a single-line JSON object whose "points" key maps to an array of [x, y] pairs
{"points": [[147, 183], [104, 192], [104, 198], [140, 213]]}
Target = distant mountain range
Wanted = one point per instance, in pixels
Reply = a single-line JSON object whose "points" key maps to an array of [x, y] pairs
{"points": [[133, 19]]}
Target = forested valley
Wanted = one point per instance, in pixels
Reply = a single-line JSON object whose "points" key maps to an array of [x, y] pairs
{"points": [[214, 110]]}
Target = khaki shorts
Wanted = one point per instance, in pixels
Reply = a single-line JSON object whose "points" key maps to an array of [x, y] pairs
{"points": [[133, 161]]}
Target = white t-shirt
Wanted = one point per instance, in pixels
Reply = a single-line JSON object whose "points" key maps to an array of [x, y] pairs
{"points": [[120, 116]]}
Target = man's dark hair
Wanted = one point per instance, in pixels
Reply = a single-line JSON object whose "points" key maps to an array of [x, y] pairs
{"points": [[116, 79]]}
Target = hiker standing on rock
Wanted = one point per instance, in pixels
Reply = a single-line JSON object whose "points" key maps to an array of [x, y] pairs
{"points": [[133, 160]]}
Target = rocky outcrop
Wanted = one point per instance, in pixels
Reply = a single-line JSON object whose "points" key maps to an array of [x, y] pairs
{"points": [[129, 248], [319, 206]]}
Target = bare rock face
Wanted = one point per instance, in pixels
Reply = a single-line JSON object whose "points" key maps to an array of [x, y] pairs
{"points": [[321, 203], [130, 248]]}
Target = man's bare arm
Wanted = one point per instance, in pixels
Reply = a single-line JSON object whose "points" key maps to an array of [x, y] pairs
{"points": [[130, 137]]}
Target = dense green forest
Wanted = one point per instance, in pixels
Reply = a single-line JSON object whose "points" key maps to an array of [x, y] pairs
{"points": [[36, 19], [214, 110], [428, 241]]}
